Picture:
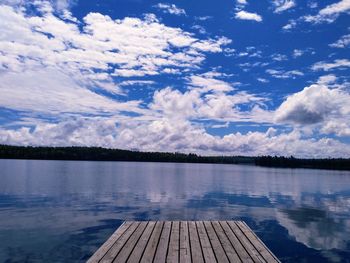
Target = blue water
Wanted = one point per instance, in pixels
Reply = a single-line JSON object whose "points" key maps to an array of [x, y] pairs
{"points": [[62, 211]]}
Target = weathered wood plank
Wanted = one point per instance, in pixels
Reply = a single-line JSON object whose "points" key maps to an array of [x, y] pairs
{"points": [[114, 250], [162, 248], [185, 250], [257, 243], [174, 243], [215, 242], [207, 249], [125, 252], [184, 242], [225, 242], [109, 243], [151, 247], [242, 253], [142, 243], [255, 255], [196, 250]]}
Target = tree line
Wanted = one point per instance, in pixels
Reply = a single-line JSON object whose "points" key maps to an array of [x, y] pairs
{"points": [[291, 162], [105, 154]]}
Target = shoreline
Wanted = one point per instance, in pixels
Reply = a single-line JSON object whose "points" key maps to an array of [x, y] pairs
{"points": [[75, 153]]}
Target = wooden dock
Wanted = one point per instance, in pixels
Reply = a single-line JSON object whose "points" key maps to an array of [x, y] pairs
{"points": [[183, 241]]}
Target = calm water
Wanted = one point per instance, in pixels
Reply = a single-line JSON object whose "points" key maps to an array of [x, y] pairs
{"points": [[59, 211]]}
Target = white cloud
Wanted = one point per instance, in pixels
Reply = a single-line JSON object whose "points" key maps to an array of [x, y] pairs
{"points": [[168, 135], [300, 52], [283, 5], [297, 53], [242, 2], [336, 8], [313, 4], [327, 79], [338, 63], [343, 42], [279, 57], [60, 66], [136, 82], [330, 13], [200, 29], [64, 4], [281, 74], [61, 6], [323, 103], [40, 52], [218, 126], [243, 15], [263, 80], [54, 92], [207, 83], [291, 24], [171, 9], [209, 98]]}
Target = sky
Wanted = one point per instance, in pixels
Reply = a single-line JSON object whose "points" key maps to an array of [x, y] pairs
{"points": [[244, 77]]}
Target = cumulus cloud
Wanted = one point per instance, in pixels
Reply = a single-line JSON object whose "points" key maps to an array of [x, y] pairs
{"points": [[80, 71], [244, 15], [338, 63], [167, 135], [48, 63], [209, 98], [171, 9], [283, 5], [321, 103]]}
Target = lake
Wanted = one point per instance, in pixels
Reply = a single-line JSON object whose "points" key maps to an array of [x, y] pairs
{"points": [[62, 211]]}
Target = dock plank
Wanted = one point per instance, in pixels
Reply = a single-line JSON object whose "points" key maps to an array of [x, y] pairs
{"points": [[207, 249], [125, 252], [242, 253], [215, 243], [152, 244], [114, 250], [174, 243], [161, 253], [196, 250], [142, 243], [185, 250], [225, 242], [183, 242]]}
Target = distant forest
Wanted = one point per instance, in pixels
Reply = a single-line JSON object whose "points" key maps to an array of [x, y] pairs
{"points": [[104, 154]]}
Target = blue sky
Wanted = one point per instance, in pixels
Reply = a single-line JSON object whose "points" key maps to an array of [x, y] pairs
{"points": [[220, 77]]}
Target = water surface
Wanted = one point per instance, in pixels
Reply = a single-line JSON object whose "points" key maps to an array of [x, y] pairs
{"points": [[62, 211]]}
